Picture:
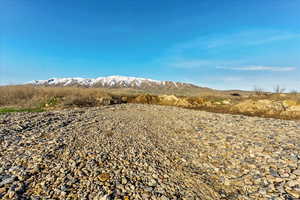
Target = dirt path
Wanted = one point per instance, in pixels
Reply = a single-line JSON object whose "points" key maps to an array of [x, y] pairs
{"points": [[147, 152]]}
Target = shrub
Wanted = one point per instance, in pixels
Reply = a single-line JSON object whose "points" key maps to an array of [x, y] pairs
{"points": [[33, 96]]}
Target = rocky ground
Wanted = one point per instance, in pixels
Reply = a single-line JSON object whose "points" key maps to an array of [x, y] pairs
{"points": [[147, 152]]}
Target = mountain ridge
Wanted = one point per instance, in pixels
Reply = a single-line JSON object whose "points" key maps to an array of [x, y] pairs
{"points": [[112, 82]]}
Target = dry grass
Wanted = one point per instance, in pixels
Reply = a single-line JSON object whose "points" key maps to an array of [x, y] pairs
{"points": [[30, 96], [226, 110], [18, 98]]}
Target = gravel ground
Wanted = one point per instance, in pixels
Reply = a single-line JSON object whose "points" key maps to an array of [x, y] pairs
{"points": [[147, 152]]}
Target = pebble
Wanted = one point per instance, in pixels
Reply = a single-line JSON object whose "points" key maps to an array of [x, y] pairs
{"points": [[124, 181], [292, 183], [297, 172], [152, 182], [3, 189], [104, 177]]}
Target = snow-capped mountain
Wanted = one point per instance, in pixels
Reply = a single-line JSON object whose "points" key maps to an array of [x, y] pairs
{"points": [[111, 82]]}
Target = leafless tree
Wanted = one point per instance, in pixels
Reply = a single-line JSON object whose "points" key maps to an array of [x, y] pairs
{"points": [[278, 89], [258, 91]]}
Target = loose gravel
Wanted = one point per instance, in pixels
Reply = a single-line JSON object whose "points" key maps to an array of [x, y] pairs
{"points": [[147, 152]]}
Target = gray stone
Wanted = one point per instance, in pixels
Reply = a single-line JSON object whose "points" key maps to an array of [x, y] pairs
{"points": [[7, 180]]}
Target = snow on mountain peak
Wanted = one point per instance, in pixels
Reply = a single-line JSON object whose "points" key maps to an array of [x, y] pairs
{"points": [[110, 81]]}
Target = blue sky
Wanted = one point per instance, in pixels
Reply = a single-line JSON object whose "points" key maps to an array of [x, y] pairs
{"points": [[213, 43]]}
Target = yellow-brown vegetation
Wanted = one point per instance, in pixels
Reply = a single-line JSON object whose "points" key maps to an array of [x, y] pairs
{"points": [[30, 96], [277, 105]]}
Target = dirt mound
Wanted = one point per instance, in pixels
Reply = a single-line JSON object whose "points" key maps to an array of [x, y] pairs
{"points": [[269, 107], [254, 106]]}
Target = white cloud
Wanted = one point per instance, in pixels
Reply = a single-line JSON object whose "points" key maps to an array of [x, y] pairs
{"points": [[259, 68], [250, 38], [212, 50], [191, 63], [201, 56], [273, 38], [199, 63], [236, 39]]}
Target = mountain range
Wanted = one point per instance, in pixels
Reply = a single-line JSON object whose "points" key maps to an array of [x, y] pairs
{"points": [[113, 82]]}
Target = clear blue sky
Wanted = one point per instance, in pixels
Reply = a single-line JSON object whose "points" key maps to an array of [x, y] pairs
{"points": [[223, 44]]}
